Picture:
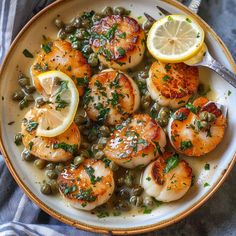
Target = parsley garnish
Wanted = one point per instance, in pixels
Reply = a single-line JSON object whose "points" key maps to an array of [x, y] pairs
{"points": [[185, 145], [27, 53], [90, 171], [180, 116], [206, 185], [121, 51], [31, 145], [207, 166], [171, 163], [188, 20], [66, 147], [192, 108], [166, 78], [111, 31], [31, 125], [82, 81], [86, 195], [122, 35], [147, 210], [46, 47], [167, 67]]}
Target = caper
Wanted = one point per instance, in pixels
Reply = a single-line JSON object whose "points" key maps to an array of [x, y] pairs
{"points": [[23, 81], [77, 22], [129, 180], [85, 145], [147, 25], [69, 28], [107, 11], [99, 155], [122, 206], [143, 74], [85, 23], [50, 166], [78, 160], [40, 102], [91, 137], [203, 115], [211, 117], [60, 167], [54, 185], [162, 122], [79, 120], [79, 33], [76, 45], [113, 166], [120, 181], [27, 156], [102, 141], [40, 163], [119, 11], [18, 95], [59, 23], [84, 154], [18, 139], [51, 174], [87, 49], [105, 131], [96, 17], [29, 98], [46, 189], [23, 104], [29, 89], [62, 34], [124, 193], [136, 201], [137, 191], [148, 201], [84, 130], [93, 60], [164, 113], [203, 124]]}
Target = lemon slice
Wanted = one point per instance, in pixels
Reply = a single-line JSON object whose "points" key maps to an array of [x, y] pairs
{"points": [[175, 38], [198, 57], [62, 101]]}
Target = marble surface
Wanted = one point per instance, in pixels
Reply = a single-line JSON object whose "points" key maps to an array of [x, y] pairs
{"points": [[217, 216]]}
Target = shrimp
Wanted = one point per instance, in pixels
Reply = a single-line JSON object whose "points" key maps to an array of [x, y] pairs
{"points": [[172, 84], [119, 42], [55, 149], [112, 96], [136, 142], [198, 128], [166, 183], [66, 59], [87, 186]]}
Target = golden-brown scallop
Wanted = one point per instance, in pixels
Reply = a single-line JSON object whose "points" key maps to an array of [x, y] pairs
{"points": [[119, 42], [198, 128], [66, 59], [87, 186], [55, 149], [168, 178], [111, 97], [136, 142], [172, 84]]}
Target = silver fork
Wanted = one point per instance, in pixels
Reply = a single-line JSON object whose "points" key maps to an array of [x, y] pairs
{"points": [[208, 61]]}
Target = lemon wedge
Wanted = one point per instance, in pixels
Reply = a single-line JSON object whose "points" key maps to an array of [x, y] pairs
{"points": [[175, 38], [62, 99]]}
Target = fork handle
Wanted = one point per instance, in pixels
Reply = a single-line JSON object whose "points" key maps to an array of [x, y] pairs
{"points": [[194, 5], [221, 70]]}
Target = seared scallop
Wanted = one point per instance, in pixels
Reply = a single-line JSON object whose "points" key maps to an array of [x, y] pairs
{"points": [[198, 128], [88, 185], [119, 41], [168, 178], [172, 84], [136, 142], [54, 149], [111, 97], [61, 56]]}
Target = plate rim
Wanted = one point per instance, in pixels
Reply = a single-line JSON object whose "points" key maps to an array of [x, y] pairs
{"points": [[107, 230]]}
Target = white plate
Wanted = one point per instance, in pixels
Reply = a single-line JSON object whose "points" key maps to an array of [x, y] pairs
{"points": [[221, 160]]}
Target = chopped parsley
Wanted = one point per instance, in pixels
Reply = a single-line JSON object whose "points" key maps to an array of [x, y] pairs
{"points": [[86, 195], [167, 67], [147, 210], [87, 97], [111, 32], [102, 214], [27, 53], [121, 51], [192, 108], [66, 147], [188, 20], [185, 145], [31, 145], [103, 112], [122, 35], [31, 125], [115, 99], [180, 116], [69, 189], [206, 185], [90, 171], [166, 78], [157, 149], [40, 68], [82, 81], [60, 103], [171, 163], [47, 47], [148, 178], [207, 166], [229, 92], [18, 139]]}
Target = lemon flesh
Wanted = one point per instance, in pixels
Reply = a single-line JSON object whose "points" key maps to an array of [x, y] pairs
{"points": [[62, 97], [175, 38]]}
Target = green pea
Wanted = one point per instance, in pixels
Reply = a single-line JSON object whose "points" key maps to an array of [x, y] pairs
{"points": [[78, 160], [119, 11], [105, 131], [23, 104], [136, 201], [27, 156], [23, 81], [93, 60], [46, 189], [50, 166], [62, 34], [77, 22], [40, 102], [18, 139], [54, 186], [29, 98], [148, 201], [18, 95], [60, 167], [59, 23], [113, 166], [29, 89], [137, 191], [99, 155], [69, 28], [51, 174], [107, 11], [211, 117], [40, 163]]}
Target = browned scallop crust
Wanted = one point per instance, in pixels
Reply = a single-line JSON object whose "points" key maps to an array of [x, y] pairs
{"points": [[174, 81], [64, 58], [117, 39]]}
